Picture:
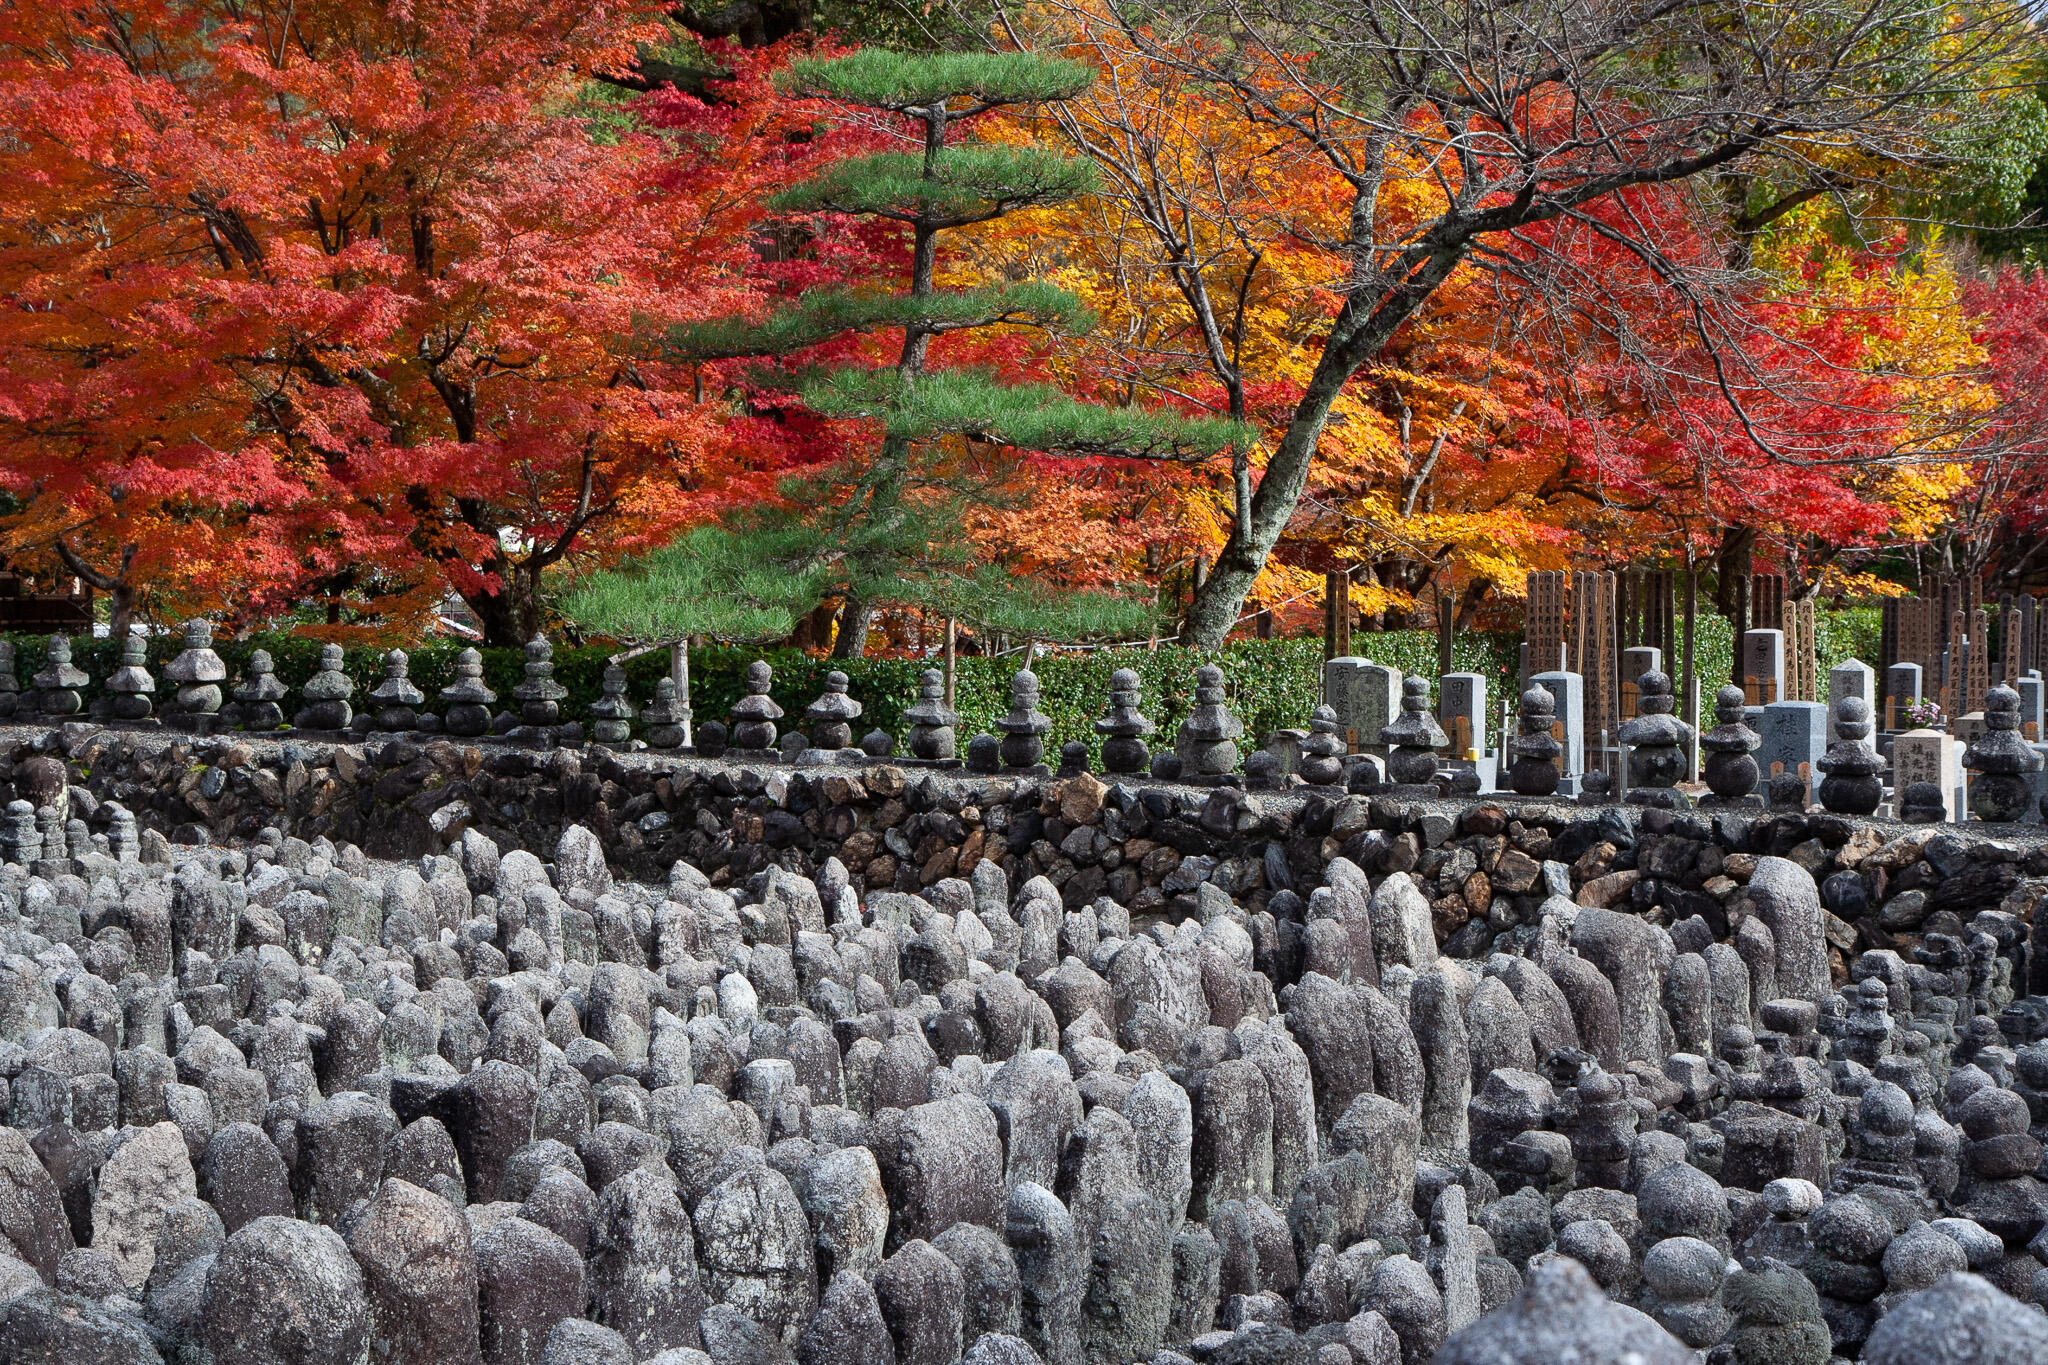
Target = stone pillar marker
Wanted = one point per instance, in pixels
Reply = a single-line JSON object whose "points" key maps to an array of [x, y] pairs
{"points": [[2000, 762], [466, 699], [666, 716], [1932, 757], [259, 693], [2031, 698], [1902, 684], [1569, 725], [932, 739], [1795, 735], [1763, 667], [396, 699], [1850, 678], [1365, 696], [1461, 707], [1636, 661], [612, 713], [131, 683]]}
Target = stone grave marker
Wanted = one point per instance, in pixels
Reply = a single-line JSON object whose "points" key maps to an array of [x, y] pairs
{"points": [[1635, 662], [1569, 729], [1850, 678], [1902, 685], [2031, 696], [1365, 696], [1795, 735], [1928, 756], [1763, 667]]}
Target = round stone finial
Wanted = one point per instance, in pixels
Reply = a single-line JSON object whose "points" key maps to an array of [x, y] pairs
{"points": [[1539, 700]]}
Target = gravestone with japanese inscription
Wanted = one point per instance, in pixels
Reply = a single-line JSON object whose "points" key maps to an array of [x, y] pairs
{"points": [[2031, 697], [1365, 696], [1461, 710], [1928, 756], [1903, 685], [1795, 735], [1763, 667]]}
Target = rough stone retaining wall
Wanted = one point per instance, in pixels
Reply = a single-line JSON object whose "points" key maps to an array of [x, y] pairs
{"points": [[1485, 865]]}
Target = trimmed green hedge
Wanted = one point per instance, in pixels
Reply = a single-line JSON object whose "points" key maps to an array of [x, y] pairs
{"points": [[1274, 684]]}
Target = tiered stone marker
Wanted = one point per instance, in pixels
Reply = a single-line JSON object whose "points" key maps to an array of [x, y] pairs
{"points": [[10, 685], [1730, 771], [198, 672], [20, 842], [666, 719], [1852, 785], [466, 701], [1412, 741], [131, 684], [1365, 696], [828, 721], [538, 694], [754, 715], [1207, 741], [1535, 770], [1024, 728], [1322, 753], [59, 681], [613, 712], [932, 734], [2000, 762], [257, 696], [1932, 758], [1124, 728], [395, 698], [1657, 741], [326, 694]]}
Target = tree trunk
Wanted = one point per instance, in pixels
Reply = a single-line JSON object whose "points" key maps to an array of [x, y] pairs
{"points": [[854, 620], [1734, 559]]}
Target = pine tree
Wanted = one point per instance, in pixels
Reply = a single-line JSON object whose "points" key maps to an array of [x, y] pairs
{"points": [[886, 523]]}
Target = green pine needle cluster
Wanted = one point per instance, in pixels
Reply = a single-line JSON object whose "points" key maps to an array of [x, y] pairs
{"points": [[740, 587], [896, 81], [970, 183], [823, 314], [975, 404]]}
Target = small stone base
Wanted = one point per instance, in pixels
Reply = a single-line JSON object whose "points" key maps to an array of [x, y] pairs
{"points": [[945, 764], [193, 722], [1211, 779]]}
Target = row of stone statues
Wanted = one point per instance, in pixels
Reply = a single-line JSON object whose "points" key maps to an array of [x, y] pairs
{"points": [[1206, 746], [1998, 760]]}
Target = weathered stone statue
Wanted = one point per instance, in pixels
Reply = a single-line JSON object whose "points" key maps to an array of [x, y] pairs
{"points": [[1999, 761], [1657, 763], [538, 694], [1852, 785], [1730, 773], [396, 699], [1413, 737], [1207, 741], [828, 721], [258, 694], [1123, 730], [665, 716], [1024, 728], [612, 713], [58, 684], [466, 702], [326, 693], [755, 714], [130, 683], [199, 672], [931, 720], [1534, 771], [1322, 753]]}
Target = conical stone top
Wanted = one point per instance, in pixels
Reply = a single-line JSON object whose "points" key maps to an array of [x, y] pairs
{"points": [[467, 687], [396, 688]]}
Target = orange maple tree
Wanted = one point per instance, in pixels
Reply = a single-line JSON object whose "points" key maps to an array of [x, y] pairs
{"points": [[336, 299]]}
